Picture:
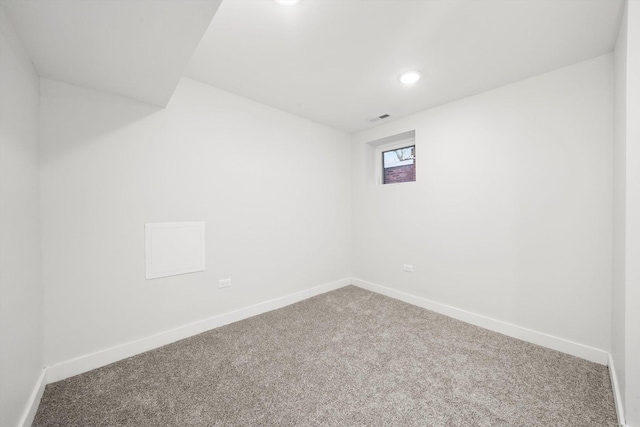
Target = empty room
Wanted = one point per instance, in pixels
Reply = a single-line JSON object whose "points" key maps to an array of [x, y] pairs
{"points": [[319, 213]]}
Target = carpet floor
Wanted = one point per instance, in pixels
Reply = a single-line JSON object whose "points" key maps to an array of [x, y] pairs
{"points": [[349, 357]]}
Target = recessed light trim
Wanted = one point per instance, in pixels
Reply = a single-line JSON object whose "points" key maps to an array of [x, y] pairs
{"points": [[287, 2], [409, 77]]}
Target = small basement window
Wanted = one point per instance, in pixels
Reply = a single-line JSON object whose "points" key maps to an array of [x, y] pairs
{"points": [[399, 165], [397, 156]]}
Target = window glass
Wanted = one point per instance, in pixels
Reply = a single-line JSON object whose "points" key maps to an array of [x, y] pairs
{"points": [[399, 165]]}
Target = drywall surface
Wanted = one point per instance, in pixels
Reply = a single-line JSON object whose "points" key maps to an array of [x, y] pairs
{"points": [[625, 334], [272, 188], [632, 269], [619, 209], [21, 354], [510, 216], [137, 49]]}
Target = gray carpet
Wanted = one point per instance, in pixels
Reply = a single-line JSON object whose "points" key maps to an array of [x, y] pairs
{"points": [[346, 358]]}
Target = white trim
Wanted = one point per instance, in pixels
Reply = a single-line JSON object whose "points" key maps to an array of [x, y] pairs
{"points": [[104, 357], [34, 401], [560, 344], [617, 397]]}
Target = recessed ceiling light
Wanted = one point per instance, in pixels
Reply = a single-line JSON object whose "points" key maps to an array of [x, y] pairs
{"points": [[409, 78], [287, 2]]}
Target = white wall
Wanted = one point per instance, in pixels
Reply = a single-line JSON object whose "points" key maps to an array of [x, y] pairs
{"points": [[20, 257], [619, 211], [273, 189], [632, 266], [625, 335], [511, 214]]}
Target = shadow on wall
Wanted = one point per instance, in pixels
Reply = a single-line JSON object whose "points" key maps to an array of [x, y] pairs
{"points": [[102, 115]]}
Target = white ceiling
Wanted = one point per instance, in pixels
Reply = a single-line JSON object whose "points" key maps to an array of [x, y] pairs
{"points": [[332, 61], [337, 61], [137, 49]]}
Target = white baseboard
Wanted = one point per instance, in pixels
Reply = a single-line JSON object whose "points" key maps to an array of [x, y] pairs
{"points": [[34, 401], [575, 349], [617, 397], [110, 355]]}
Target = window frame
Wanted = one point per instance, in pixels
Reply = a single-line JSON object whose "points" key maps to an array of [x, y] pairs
{"points": [[379, 153]]}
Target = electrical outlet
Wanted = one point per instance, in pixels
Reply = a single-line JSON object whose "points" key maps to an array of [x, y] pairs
{"points": [[408, 268], [224, 283]]}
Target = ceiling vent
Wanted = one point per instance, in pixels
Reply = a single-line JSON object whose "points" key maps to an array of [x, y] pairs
{"points": [[375, 119]]}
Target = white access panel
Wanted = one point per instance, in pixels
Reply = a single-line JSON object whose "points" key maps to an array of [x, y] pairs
{"points": [[174, 248]]}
